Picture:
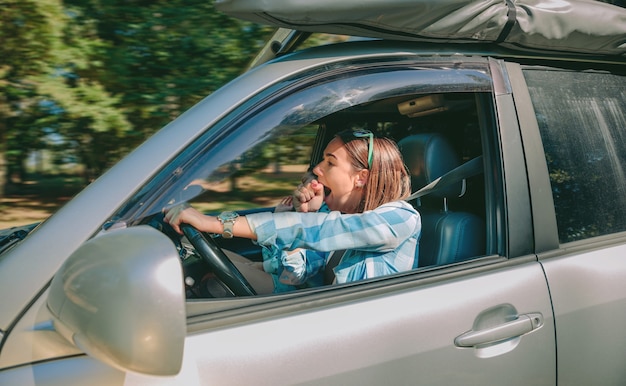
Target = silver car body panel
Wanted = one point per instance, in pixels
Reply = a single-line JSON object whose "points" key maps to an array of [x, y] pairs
{"points": [[587, 290], [375, 340]]}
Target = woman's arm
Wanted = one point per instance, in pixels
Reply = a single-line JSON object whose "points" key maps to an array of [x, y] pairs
{"points": [[382, 229], [204, 223]]}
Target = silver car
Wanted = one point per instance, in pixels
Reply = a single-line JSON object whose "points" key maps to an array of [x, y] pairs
{"points": [[511, 117]]}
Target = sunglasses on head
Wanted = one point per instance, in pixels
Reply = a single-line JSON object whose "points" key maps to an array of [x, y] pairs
{"points": [[367, 134]]}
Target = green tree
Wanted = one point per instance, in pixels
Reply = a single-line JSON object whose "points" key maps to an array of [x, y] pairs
{"points": [[105, 75], [26, 32], [161, 57], [39, 92]]}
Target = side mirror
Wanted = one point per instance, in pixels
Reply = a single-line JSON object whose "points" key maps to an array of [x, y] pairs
{"points": [[120, 298]]}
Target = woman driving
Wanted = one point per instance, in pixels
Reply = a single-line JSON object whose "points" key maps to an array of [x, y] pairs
{"points": [[354, 206]]}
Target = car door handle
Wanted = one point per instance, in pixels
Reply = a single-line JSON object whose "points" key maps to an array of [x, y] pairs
{"points": [[520, 326]]}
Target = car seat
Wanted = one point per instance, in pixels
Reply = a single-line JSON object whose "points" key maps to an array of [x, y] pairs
{"points": [[447, 237]]}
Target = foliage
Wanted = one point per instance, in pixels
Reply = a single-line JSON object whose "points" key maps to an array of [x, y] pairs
{"points": [[26, 34], [161, 57], [89, 80]]}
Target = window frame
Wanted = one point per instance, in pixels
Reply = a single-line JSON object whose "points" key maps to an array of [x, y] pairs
{"points": [[495, 202]]}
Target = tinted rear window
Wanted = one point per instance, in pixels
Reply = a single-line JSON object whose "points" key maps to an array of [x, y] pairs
{"points": [[581, 118]]}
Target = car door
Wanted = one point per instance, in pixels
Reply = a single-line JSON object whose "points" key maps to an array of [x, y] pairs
{"points": [[487, 320]]}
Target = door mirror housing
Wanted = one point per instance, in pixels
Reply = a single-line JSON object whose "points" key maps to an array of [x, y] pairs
{"points": [[120, 299]]}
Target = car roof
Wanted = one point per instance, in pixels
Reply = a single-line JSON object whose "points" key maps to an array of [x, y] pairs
{"points": [[579, 26]]}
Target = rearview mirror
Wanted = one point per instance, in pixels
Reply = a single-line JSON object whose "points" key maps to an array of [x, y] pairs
{"points": [[120, 299]]}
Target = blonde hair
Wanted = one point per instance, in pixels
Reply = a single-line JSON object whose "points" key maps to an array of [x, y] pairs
{"points": [[388, 178]]}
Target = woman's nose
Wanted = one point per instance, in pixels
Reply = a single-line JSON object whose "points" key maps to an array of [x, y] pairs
{"points": [[316, 170]]}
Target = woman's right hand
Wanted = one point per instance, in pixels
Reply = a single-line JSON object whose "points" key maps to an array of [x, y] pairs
{"points": [[309, 196]]}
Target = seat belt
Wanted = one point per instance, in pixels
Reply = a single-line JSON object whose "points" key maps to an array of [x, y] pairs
{"points": [[461, 172], [329, 274]]}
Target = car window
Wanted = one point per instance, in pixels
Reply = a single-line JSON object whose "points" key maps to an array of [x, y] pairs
{"points": [[257, 155], [582, 127]]}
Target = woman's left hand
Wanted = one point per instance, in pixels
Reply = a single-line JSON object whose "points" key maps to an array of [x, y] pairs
{"points": [[184, 213]]}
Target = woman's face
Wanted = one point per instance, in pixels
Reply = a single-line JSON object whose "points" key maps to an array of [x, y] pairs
{"points": [[342, 182]]}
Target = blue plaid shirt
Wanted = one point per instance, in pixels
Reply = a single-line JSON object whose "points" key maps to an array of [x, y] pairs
{"points": [[377, 242]]}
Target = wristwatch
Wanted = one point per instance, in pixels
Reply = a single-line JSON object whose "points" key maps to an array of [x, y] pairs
{"points": [[228, 220]]}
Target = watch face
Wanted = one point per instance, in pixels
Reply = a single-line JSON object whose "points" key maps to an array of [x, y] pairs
{"points": [[228, 216]]}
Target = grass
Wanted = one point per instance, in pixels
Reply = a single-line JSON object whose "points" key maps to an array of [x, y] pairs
{"points": [[36, 199]]}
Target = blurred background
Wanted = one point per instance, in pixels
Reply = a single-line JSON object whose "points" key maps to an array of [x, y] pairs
{"points": [[83, 82]]}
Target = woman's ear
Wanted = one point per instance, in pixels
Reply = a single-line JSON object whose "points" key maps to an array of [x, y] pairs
{"points": [[361, 178]]}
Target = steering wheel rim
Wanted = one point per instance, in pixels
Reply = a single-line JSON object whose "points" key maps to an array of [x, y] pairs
{"points": [[219, 263]]}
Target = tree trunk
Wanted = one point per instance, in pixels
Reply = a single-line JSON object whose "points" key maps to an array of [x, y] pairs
{"points": [[3, 152], [233, 183]]}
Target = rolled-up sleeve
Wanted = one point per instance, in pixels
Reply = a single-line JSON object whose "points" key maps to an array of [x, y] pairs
{"points": [[381, 229]]}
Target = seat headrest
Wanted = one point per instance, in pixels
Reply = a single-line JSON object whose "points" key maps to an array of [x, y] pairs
{"points": [[428, 156]]}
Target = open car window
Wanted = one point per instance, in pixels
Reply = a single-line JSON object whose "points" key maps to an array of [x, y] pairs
{"points": [[257, 155]]}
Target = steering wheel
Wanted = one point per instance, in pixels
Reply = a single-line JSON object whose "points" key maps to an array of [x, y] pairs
{"points": [[219, 263]]}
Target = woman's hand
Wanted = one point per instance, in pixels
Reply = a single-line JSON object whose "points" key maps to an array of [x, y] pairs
{"points": [[183, 213], [309, 196]]}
